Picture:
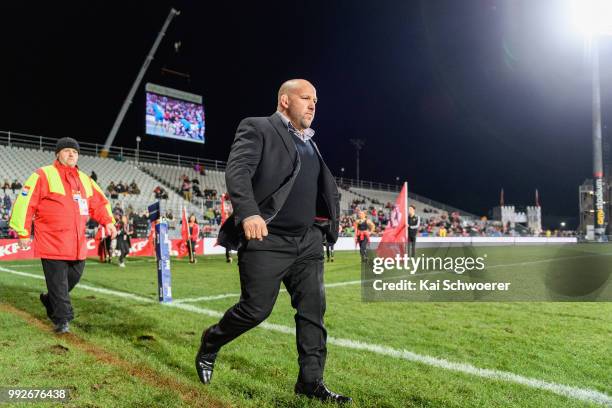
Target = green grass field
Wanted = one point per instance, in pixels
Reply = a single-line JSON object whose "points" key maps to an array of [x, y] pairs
{"points": [[128, 350]]}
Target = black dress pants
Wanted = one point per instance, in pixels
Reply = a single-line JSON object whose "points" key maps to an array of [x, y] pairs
{"points": [[263, 265], [61, 277], [411, 246]]}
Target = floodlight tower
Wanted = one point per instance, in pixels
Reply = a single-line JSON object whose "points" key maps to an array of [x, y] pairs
{"points": [[358, 143], [594, 19]]}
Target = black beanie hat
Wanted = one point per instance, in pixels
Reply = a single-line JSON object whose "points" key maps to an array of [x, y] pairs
{"points": [[67, 142]]}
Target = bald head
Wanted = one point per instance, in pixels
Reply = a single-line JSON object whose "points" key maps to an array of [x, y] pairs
{"points": [[296, 100]]}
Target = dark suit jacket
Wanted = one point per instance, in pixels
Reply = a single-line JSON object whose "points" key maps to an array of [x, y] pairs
{"points": [[260, 172]]}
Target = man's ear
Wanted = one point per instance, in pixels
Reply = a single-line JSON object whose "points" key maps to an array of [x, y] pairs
{"points": [[284, 101]]}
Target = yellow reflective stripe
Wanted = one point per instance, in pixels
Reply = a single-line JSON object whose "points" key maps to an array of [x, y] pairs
{"points": [[107, 206], [54, 180], [20, 208], [86, 183]]}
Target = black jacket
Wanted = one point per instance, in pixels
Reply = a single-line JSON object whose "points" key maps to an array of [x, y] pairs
{"points": [[260, 172]]}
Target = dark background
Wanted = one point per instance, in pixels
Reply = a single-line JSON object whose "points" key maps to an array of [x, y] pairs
{"points": [[459, 98]]}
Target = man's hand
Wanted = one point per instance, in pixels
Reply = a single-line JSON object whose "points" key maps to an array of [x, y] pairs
{"points": [[254, 227], [110, 228], [24, 243]]}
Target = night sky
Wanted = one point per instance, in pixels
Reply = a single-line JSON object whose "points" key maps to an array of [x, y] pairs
{"points": [[459, 98]]}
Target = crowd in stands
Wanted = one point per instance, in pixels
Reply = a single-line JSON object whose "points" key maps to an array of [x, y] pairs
{"points": [[114, 190], [5, 212], [438, 224], [434, 222], [191, 187], [14, 186], [160, 193]]}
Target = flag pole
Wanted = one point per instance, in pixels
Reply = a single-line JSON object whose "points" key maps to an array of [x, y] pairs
{"points": [[406, 217]]}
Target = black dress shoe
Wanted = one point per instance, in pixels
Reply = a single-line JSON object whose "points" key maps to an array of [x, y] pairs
{"points": [[44, 299], [61, 328], [318, 390], [205, 362]]}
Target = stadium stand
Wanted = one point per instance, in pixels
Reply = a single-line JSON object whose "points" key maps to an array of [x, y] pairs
{"points": [[20, 156], [18, 163]]}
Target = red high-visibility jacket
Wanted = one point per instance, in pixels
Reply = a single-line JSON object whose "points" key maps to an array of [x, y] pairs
{"points": [[60, 200]]}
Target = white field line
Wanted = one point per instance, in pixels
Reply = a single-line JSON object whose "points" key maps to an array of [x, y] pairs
{"points": [[237, 295], [583, 394], [357, 282]]}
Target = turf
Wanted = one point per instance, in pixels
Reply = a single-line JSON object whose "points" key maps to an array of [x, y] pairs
{"points": [[562, 342]]}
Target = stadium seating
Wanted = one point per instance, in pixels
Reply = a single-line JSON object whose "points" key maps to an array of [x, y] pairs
{"points": [[18, 163]]}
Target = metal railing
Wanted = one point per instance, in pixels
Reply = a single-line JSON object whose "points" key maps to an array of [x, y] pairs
{"points": [[16, 139], [395, 188]]}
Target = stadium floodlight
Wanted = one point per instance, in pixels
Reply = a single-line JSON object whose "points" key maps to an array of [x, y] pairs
{"points": [[138, 139], [592, 17]]}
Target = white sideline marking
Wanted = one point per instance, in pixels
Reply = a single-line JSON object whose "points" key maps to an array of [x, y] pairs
{"points": [[584, 394], [237, 295]]}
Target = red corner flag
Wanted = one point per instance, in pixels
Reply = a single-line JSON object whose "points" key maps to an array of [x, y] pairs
{"points": [[182, 249], [185, 226], [395, 236]]}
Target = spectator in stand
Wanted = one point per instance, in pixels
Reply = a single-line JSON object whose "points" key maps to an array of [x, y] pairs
{"points": [[160, 193], [197, 168], [118, 211], [6, 185], [6, 202], [442, 231], [186, 188], [210, 215], [195, 186], [121, 189], [210, 194], [170, 219], [133, 188], [94, 176], [112, 190], [16, 185]]}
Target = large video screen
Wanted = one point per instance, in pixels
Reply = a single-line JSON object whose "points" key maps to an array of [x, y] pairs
{"points": [[174, 114]]}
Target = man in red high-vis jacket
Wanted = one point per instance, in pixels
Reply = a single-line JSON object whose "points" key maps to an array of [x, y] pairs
{"points": [[59, 199]]}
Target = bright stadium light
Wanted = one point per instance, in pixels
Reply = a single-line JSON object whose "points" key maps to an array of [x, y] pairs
{"points": [[592, 17]]}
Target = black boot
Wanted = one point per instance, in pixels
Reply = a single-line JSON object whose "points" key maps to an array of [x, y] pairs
{"points": [[318, 390], [205, 361], [44, 299]]}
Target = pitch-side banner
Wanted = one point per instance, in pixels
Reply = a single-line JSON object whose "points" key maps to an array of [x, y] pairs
{"points": [[9, 248]]}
